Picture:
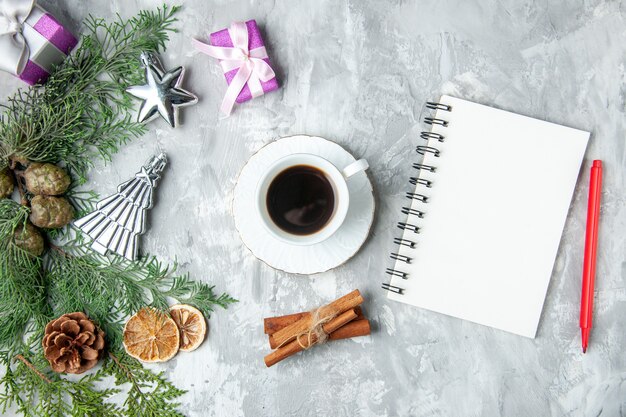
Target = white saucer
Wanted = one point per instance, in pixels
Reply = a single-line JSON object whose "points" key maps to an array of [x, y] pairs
{"points": [[312, 259]]}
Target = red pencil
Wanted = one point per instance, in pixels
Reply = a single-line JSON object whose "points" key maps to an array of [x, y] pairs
{"points": [[591, 244]]}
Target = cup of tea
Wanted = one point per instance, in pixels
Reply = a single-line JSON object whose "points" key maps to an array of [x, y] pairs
{"points": [[303, 198]]}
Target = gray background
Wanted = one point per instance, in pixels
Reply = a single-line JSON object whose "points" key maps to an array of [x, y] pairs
{"points": [[358, 73]]}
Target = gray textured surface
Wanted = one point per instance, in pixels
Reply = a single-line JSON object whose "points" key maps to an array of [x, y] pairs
{"points": [[359, 73]]}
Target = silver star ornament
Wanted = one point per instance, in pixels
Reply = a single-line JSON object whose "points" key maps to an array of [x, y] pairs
{"points": [[161, 95]]}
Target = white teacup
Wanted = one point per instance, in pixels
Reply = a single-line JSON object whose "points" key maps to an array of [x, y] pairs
{"points": [[337, 179]]}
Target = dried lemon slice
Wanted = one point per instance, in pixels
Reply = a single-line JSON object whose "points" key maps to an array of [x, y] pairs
{"points": [[191, 325], [151, 336]]}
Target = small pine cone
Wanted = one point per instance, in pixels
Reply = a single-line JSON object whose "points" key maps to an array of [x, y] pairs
{"points": [[29, 239], [50, 212], [6, 183], [46, 179], [73, 343]]}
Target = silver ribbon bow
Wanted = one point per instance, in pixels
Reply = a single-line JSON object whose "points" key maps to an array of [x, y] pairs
{"points": [[14, 50]]}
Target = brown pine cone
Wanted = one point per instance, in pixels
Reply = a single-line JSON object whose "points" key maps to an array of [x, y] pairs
{"points": [[6, 183], [46, 179], [50, 212], [29, 239], [73, 343]]}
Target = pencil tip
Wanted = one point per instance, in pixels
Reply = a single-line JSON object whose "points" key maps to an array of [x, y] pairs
{"points": [[584, 350]]}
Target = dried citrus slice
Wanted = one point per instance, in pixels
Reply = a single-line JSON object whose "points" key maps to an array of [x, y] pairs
{"points": [[151, 336], [191, 324]]}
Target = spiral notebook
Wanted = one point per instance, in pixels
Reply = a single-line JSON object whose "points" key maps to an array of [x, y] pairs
{"points": [[479, 232]]}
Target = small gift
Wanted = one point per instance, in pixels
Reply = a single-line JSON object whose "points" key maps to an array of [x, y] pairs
{"points": [[32, 41], [244, 60]]}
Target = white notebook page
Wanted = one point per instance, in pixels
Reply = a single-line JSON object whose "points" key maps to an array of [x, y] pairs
{"points": [[494, 216]]}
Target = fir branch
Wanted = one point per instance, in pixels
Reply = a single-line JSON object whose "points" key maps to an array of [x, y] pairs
{"points": [[150, 394], [35, 393], [12, 215], [22, 295], [80, 114], [10, 397], [109, 290], [23, 306], [83, 201], [83, 111]]}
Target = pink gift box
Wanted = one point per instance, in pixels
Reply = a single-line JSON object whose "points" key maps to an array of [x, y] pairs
{"points": [[255, 40], [48, 42]]}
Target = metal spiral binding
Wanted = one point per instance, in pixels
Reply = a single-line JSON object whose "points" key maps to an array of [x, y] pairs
{"points": [[425, 167], [420, 181], [418, 197], [438, 106], [395, 273], [423, 149], [432, 135], [392, 288], [416, 181], [408, 226], [413, 212], [398, 257], [434, 121], [404, 242]]}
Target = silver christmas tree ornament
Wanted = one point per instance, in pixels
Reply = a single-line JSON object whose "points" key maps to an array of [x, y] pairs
{"points": [[119, 219], [161, 94]]}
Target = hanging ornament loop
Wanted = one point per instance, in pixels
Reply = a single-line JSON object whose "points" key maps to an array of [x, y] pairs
{"points": [[150, 172], [157, 163], [251, 64]]}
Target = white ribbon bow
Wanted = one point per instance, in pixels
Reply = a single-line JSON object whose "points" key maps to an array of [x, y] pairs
{"points": [[252, 67], [14, 51]]}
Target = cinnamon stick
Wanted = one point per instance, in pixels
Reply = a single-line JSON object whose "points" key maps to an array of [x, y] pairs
{"points": [[289, 332], [360, 326], [273, 324], [357, 327], [305, 341]]}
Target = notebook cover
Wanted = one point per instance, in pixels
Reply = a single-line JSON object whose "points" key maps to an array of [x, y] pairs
{"points": [[494, 216]]}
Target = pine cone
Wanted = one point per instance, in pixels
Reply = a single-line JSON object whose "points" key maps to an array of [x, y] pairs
{"points": [[73, 343], [29, 239], [46, 179], [50, 212], [6, 183]]}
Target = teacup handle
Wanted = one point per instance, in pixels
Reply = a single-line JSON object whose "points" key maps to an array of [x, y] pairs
{"points": [[355, 167]]}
